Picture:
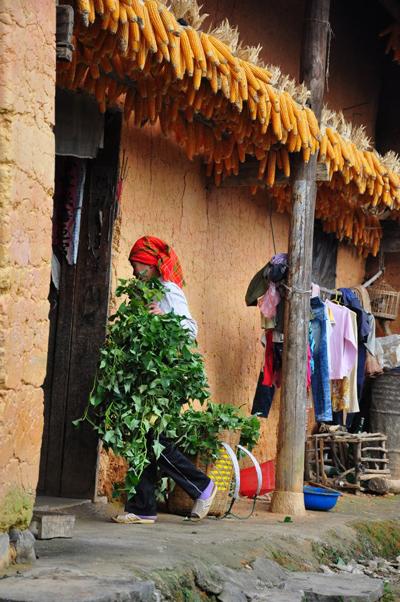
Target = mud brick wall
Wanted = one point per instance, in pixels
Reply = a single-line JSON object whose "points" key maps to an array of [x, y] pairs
{"points": [[27, 74]]}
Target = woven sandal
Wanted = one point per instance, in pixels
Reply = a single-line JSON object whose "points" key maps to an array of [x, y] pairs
{"points": [[202, 507], [128, 518]]}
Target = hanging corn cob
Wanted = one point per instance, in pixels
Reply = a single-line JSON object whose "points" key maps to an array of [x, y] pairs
{"points": [[221, 106]]}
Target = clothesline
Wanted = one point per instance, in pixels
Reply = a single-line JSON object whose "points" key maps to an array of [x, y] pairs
{"points": [[330, 291], [365, 285]]}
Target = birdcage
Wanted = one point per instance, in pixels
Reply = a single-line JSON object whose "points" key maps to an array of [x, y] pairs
{"points": [[384, 300]]}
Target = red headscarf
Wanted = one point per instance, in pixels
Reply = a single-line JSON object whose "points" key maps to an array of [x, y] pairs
{"points": [[154, 251]]}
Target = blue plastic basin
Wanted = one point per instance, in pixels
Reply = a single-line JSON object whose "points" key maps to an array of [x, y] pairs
{"points": [[318, 498]]}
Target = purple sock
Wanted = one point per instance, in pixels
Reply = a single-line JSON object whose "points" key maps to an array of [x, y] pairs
{"points": [[207, 491]]}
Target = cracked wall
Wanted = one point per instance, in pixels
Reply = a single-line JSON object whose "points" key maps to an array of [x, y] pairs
{"points": [[27, 73]]}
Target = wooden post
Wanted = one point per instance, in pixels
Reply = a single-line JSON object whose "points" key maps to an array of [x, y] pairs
{"points": [[288, 497]]}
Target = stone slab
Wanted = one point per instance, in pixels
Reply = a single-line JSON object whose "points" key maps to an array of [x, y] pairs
{"points": [[277, 595], [269, 571], [335, 588], [23, 543], [70, 586], [4, 550], [48, 525]]}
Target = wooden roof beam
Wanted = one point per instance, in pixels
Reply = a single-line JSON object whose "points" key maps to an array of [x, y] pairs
{"points": [[248, 176]]}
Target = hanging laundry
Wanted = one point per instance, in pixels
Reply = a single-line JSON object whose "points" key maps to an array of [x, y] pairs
{"points": [[343, 346], [320, 383], [70, 184], [372, 366], [310, 356], [330, 324], [265, 291], [269, 359], [274, 271], [263, 398], [315, 290], [270, 301], [340, 391], [353, 393], [351, 301], [344, 391]]}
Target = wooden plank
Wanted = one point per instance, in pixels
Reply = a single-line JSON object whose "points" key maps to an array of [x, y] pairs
{"points": [[55, 391], [288, 497], [248, 176], [375, 471], [357, 461], [53, 318]]}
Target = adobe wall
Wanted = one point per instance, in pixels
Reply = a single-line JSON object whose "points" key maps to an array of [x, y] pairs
{"points": [[27, 73], [223, 237], [350, 268]]}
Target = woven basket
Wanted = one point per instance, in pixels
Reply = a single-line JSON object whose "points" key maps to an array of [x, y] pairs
{"points": [[179, 502], [384, 301]]}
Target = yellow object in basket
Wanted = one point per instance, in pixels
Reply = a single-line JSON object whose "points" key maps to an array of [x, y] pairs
{"points": [[222, 472]]}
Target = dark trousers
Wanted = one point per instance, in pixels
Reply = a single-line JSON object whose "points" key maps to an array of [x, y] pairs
{"points": [[173, 464]]}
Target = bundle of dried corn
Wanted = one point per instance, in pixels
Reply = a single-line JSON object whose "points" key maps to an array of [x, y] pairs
{"points": [[206, 91], [209, 98], [393, 40], [347, 150], [340, 214]]}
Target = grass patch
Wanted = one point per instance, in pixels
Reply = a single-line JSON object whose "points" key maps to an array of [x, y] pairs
{"points": [[16, 509], [381, 538], [180, 586]]}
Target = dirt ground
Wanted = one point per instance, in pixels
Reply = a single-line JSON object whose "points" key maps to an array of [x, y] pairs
{"points": [[360, 526]]}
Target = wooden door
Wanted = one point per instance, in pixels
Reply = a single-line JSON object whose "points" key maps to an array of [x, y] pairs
{"points": [[77, 331]]}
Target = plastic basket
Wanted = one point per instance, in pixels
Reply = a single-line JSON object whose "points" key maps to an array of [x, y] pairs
{"points": [[384, 301], [179, 502], [248, 479]]}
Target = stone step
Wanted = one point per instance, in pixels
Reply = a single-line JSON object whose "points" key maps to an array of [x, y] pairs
{"points": [[49, 525], [70, 586], [318, 587]]}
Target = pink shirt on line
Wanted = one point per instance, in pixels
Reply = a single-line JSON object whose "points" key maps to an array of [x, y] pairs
{"points": [[342, 343]]}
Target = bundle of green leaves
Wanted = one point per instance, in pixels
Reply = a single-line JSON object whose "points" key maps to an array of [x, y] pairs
{"points": [[148, 368], [198, 430]]}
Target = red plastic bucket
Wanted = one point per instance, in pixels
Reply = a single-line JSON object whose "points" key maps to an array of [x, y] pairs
{"points": [[248, 479]]}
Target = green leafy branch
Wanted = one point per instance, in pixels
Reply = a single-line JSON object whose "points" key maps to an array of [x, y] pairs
{"points": [[148, 368]]}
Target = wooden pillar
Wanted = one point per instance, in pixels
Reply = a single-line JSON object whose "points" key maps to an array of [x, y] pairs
{"points": [[288, 497]]}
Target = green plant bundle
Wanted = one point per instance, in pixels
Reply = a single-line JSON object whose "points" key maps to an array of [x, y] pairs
{"points": [[198, 430], [148, 368]]}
